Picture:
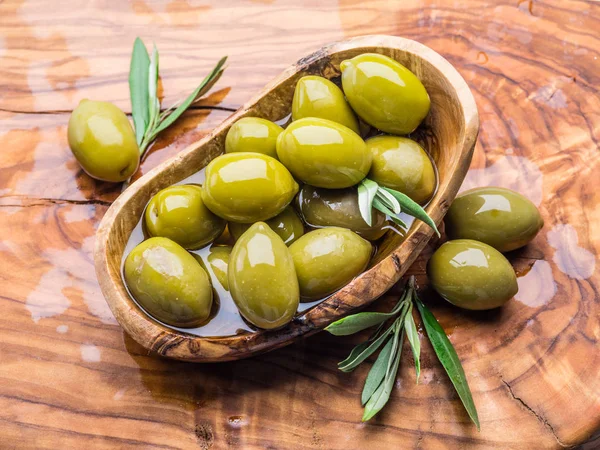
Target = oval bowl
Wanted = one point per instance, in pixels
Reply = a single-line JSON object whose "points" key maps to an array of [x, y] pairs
{"points": [[449, 133]]}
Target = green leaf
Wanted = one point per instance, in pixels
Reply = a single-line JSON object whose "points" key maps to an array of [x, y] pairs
{"points": [[355, 358], [388, 200], [413, 339], [367, 190], [414, 209], [206, 84], [377, 372], [153, 102], [449, 359], [377, 204], [138, 89], [357, 322], [381, 396]]}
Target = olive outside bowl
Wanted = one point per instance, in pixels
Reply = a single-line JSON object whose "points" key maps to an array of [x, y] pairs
{"points": [[449, 133]]}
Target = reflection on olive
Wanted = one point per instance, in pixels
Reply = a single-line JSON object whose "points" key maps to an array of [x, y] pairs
{"points": [[338, 208]]}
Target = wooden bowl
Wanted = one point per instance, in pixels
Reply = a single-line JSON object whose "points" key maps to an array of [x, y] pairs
{"points": [[448, 133]]}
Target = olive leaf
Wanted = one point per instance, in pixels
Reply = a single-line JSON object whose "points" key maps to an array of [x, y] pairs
{"points": [[381, 396], [356, 358], [138, 88], [413, 338], [412, 208], [447, 355], [389, 200], [148, 121], [377, 372], [378, 204], [367, 190]]}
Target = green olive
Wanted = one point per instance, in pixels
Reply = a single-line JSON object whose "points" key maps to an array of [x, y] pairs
{"points": [[262, 279], [472, 275], [318, 97], [338, 208], [218, 258], [178, 213], [502, 218], [103, 141], [168, 283], [247, 187], [323, 153], [384, 93], [327, 259], [287, 225], [252, 134], [402, 164]]}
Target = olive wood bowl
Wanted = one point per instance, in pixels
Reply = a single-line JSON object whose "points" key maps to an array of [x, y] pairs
{"points": [[448, 133]]}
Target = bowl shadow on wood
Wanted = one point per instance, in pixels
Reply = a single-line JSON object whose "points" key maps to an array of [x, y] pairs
{"points": [[449, 133]]}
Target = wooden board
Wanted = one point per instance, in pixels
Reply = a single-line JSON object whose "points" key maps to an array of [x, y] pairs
{"points": [[71, 378]]}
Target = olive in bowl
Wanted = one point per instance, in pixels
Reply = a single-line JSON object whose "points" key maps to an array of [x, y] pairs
{"points": [[286, 224], [253, 134]]}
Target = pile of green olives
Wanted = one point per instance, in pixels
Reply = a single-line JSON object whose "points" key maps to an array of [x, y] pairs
{"points": [[469, 270], [279, 209]]}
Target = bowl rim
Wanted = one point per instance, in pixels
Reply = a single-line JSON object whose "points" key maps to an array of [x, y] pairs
{"points": [[360, 292]]}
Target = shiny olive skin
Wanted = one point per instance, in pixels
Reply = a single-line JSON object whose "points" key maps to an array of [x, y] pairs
{"points": [[287, 225], [318, 97], [168, 283], [178, 213], [401, 164], [253, 134], [338, 208], [327, 259], [218, 258], [499, 217], [247, 187], [384, 93], [472, 275], [323, 153], [262, 278], [103, 141]]}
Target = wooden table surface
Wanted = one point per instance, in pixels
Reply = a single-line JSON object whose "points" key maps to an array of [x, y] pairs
{"points": [[69, 376]]}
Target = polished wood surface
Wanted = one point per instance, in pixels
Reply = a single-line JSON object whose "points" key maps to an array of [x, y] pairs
{"points": [[450, 131], [72, 379]]}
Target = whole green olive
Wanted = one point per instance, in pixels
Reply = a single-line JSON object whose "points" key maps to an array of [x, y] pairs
{"points": [[327, 259], [103, 141], [502, 218], [402, 164], [253, 134], [287, 225], [218, 258], [338, 208], [178, 213], [384, 93], [318, 97], [323, 153], [168, 283], [472, 275], [247, 187], [262, 279]]}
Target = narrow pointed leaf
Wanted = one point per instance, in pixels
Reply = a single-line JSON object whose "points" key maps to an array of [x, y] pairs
{"points": [[208, 80], [354, 360], [413, 339], [138, 88], [449, 359], [153, 103], [389, 200], [381, 396], [378, 204], [412, 208], [367, 190], [357, 322], [377, 372]]}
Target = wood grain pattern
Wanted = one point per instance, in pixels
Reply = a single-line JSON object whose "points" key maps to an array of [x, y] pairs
{"points": [[72, 379], [451, 129]]}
